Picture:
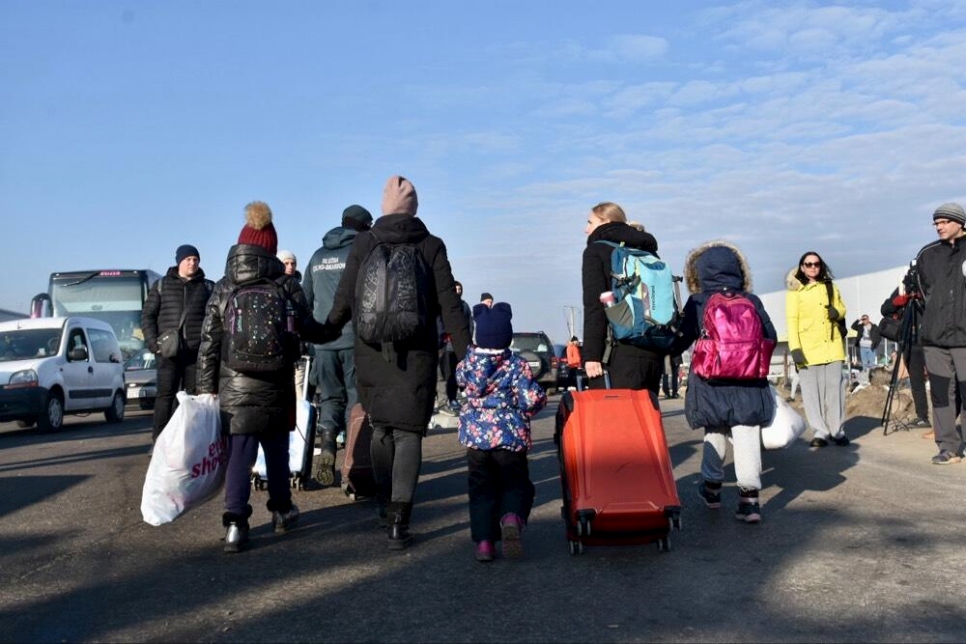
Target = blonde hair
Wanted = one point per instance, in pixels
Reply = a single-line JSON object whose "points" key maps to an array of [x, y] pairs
{"points": [[609, 212]]}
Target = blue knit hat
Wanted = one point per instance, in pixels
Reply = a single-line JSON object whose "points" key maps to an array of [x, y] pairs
{"points": [[184, 251], [493, 327]]}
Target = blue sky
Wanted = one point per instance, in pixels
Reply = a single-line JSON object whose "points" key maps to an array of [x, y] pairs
{"points": [[130, 127]]}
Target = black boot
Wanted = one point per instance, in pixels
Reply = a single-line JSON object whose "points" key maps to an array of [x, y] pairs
{"points": [[398, 518], [236, 531], [325, 468]]}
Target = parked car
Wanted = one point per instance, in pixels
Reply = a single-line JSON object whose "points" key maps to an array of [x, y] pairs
{"points": [[537, 349], [55, 366], [141, 379]]}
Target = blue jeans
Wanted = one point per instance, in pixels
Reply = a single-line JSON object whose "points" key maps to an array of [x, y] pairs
{"points": [[867, 355], [336, 376]]}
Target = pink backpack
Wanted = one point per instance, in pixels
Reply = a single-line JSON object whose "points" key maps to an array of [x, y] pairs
{"points": [[732, 344]]}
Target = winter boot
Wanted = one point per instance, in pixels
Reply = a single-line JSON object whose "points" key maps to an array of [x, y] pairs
{"points": [[236, 531], [325, 468], [283, 519], [398, 518]]}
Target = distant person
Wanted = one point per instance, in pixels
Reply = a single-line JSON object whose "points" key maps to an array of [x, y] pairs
{"points": [[486, 298], [630, 367], [291, 263], [501, 397], [913, 355], [867, 338], [813, 310], [397, 380], [448, 358], [574, 360], [669, 379], [247, 358], [725, 407], [942, 282], [176, 304], [335, 365]]}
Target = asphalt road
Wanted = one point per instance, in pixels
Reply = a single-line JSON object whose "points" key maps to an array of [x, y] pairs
{"points": [[864, 543]]}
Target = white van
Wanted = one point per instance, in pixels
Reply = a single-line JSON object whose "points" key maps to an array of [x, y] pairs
{"points": [[55, 366]]}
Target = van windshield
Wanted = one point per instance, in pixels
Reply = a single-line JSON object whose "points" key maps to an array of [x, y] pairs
{"points": [[24, 344]]}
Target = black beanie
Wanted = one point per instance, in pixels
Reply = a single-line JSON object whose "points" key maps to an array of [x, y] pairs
{"points": [[356, 218], [493, 327], [184, 251]]}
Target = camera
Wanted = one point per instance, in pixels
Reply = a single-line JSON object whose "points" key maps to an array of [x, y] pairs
{"points": [[910, 283]]}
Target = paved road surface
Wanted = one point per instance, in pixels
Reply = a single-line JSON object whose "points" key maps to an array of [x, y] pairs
{"points": [[864, 543]]}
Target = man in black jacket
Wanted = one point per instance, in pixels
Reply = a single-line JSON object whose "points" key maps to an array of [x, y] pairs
{"points": [[943, 331], [176, 304]]}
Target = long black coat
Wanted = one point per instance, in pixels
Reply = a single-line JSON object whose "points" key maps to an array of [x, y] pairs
{"points": [[162, 312], [713, 268], [400, 393], [250, 403]]}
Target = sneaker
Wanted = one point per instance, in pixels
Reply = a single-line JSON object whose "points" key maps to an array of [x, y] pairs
{"points": [[511, 531], [284, 521], [448, 410], [945, 457], [485, 551], [841, 441], [748, 512], [236, 538], [920, 422], [712, 500], [818, 442], [340, 439]]}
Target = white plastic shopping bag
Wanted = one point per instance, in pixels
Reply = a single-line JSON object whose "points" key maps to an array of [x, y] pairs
{"points": [[785, 427], [188, 462]]}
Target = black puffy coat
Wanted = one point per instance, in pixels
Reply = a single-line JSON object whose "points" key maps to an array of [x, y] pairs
{"points": [[713, 268], [630, 366], [250, 402], [943, 287], [400, 393], [162, 311]]}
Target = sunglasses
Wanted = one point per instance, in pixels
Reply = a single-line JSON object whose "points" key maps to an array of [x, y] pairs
{"points": [[812, 264]]}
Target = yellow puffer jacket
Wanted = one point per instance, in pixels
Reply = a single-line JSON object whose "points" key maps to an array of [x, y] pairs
{"points": [[809, 328]]}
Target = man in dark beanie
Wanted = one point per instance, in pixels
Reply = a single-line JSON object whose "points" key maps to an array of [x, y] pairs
{"points": [[247, 357], [397, 380], [334, 369], [174, 311], [942, 332], [486, 298]]}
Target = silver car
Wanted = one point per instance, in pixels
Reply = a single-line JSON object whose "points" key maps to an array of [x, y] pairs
{"points": [[141, 379]]}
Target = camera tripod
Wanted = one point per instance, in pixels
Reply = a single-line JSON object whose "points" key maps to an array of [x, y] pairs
{"points": [[907, 327]]}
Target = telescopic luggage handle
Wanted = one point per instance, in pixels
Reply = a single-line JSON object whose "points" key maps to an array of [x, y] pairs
{"points": [[581, 374]]}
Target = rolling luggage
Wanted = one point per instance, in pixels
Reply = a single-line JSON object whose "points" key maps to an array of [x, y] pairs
{"points": [[615, 469], [300, 443], [358, 479]]}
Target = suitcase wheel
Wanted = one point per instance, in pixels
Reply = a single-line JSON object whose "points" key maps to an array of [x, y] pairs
{"points": [[676, 523], [664, 544], [576, 548], [584, 519]]}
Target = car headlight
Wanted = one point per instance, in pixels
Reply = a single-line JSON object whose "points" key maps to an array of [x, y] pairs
{"points": [[25, 378]]}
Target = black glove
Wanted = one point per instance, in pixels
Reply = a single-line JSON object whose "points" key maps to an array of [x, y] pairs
{"points": [[833, 313], [798, 357]]}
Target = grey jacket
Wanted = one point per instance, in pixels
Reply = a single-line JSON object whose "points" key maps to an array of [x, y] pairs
{"points": [[321, 280]]}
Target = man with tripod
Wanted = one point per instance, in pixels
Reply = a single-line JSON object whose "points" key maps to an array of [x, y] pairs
{"points": [[942, 283], [907, 308]]}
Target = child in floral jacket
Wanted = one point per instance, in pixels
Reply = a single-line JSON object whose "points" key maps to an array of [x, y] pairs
{"points": [[494, 426]]}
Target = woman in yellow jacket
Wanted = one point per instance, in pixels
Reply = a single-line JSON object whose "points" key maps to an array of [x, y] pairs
{"points": [[814, 307]]}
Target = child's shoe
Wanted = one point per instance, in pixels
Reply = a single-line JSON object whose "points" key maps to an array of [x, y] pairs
{"points": [[236, 537], [485, 551], [710, 493], [511, 531], [748, 509], [284, 521]]}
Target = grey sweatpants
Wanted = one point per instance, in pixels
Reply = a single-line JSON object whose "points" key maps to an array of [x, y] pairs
{"points": [[746, 442], [823, 398], [947, 371]]}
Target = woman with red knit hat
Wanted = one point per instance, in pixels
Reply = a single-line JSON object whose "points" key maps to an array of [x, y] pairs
{"points": [[257, 400]]}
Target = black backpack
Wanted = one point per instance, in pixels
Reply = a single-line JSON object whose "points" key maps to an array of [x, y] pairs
{"points": [[392, 291], [257, 316]]}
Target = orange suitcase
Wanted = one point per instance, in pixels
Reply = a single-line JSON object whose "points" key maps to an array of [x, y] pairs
{"points": [[615, 469]]}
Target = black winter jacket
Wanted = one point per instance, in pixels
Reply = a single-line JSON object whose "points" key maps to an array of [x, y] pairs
{"points": [[257, 402], [162, 311], [873, 333], [400, 394], [596, 272], [943, 287], [712, 268], [322, 280]]}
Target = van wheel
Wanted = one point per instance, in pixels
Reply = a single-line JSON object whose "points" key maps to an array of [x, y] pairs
{"points": [[53, 417], [115, 413]]}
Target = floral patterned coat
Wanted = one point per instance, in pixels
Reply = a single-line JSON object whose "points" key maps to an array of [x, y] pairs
{"points": [[501, 397]]}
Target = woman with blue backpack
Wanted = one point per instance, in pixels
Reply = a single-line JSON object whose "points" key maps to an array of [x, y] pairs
{"points": [[630, 366], [728, 393]]}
